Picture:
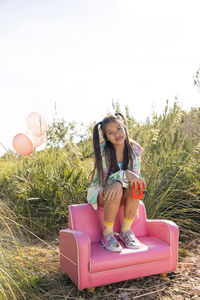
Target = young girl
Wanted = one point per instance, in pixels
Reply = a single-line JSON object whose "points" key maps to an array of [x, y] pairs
{"points": [[117, 162]]}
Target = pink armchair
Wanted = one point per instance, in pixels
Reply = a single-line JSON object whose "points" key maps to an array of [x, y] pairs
{"points": [[89, 265]]}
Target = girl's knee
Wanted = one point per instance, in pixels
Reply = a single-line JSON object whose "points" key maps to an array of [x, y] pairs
{"points": [[118, 197], [121, 193]]}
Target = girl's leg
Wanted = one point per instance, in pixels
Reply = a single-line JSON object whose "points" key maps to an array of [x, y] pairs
{"points": [[110, 211], [130, 211], [130, 205]]}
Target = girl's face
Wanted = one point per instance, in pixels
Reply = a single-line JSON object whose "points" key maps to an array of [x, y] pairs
{"points": [[115, 133]]}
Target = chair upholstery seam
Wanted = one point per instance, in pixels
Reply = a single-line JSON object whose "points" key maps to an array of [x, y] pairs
{"points": [[153, 262], [169, 243], [69, 259], [77, 251], [77, 247], [89, 267], [70, 214], [161, 241]]}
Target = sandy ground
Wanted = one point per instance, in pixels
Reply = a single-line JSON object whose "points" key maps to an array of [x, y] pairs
{"points": [[184, 283]]}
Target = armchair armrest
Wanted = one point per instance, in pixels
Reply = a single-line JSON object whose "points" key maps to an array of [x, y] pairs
{"points": [[75, 252], [168, 232]]}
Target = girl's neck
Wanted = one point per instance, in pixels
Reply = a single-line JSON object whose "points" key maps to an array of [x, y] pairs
{"points": [[119, 149]]}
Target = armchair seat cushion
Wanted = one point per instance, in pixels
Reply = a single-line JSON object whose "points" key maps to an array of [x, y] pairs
{"points": [[152, 249]]}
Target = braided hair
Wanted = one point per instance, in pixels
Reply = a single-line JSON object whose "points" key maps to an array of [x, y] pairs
{"points": [[110, 154]]}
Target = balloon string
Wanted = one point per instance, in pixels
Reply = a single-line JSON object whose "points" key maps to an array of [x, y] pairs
{"points": [[3, 146]]}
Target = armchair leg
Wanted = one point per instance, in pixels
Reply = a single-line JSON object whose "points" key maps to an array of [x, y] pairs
{"points": [[91, 290], [163, 275]]}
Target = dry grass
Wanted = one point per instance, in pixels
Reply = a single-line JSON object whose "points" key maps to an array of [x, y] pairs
{"points": [[182, 284]]}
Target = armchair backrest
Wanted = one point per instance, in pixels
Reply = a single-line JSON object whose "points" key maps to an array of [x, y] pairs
{"points": [[82, 217]]}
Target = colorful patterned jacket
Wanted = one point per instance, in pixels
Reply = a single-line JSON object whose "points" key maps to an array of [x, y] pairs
{"points": [[95, 187]]}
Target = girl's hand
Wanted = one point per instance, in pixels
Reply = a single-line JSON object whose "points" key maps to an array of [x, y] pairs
{"points": [[134, 179], [112, 192]]}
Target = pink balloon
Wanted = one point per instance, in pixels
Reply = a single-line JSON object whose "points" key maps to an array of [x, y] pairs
{"points": [[37, 140], [23, 144], [36, 123]]}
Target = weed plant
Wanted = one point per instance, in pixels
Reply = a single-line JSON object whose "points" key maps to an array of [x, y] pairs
{"points": [[19, 278]]}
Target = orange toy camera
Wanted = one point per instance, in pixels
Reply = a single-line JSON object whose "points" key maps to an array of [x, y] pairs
{"points": [[139, 194]]}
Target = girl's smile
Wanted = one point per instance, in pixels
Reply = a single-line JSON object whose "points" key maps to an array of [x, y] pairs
{"points": [[118, 139]]}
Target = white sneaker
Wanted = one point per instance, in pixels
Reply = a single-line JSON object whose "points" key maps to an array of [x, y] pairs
{"points": [[110, 243], [129, 239]]}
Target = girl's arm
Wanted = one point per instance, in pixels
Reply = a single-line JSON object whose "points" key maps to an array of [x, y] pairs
{"points": [[120, 176], [128, 175]]}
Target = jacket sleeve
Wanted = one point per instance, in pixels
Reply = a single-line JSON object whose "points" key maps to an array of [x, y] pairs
{"points": [[119, 175], [137, 162], [95, 187], [93, 192]]}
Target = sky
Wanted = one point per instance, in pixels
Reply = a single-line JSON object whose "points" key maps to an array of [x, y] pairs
{"points": [[83, 54]]}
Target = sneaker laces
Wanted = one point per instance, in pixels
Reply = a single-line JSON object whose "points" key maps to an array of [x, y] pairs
{"points": [[112, 241], [129, 237]]}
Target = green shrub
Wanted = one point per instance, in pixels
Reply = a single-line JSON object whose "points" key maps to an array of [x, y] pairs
{"points": [[41, 187]]}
